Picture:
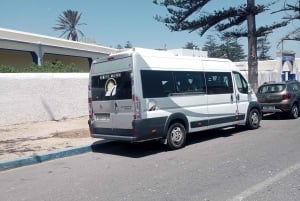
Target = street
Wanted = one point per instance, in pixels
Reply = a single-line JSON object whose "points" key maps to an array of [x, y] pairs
{"points": [[219, 165]]}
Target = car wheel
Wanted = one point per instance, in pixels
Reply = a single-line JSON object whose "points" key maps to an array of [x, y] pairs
{"points": [[294, 113], [253, 120], [176, 136]]}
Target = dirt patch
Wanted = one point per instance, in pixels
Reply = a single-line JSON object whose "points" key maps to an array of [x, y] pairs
{"points": [[77, 133]]}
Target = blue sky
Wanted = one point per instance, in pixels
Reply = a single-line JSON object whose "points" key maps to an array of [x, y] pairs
{"points": [[113, 22]]}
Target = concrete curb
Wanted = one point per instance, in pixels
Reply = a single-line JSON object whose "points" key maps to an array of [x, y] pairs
{"points": [[38, 158]]}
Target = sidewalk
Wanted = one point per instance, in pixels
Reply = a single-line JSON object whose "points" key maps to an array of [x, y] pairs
{"points": [[24, 140]]}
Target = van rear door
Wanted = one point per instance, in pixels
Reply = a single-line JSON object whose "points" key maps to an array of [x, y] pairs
{"points": [[111, 93]]}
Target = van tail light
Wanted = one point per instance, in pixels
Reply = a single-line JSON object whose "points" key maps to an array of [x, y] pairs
{"points": [[91, 113], [286, 96], [137, 107]]}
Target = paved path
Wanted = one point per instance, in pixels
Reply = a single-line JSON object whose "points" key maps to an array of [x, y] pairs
{"points": [[25, 140]]}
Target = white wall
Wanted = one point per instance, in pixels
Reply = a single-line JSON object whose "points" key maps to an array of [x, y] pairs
{"points": [[269, 70], [30, 97]]}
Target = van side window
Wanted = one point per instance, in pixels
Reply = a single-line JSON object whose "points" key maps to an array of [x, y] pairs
{"points": [[189, 82], [219, 82], [241, 83], [157, 84]]}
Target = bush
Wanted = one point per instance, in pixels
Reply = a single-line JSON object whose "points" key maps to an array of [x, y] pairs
{"points": [[7, 69], [48, 67]]}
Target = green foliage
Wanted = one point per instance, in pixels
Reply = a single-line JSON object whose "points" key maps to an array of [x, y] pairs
{"points": [[7, 69], [128, 45], [291, 11], [191, 45], [263, 47], [212, 47], [68, 22], [228, 48], [48, 67], [119, 47], [191, 15]]}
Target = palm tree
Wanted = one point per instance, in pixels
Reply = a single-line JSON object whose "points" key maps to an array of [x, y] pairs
{"points": [[68, 22]]}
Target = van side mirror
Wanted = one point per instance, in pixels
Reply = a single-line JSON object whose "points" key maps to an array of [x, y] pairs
{"points": [[249, 88]]}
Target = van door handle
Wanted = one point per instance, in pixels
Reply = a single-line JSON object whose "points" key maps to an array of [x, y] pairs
{"points": [[231, 98], [116, 106], [238, 97]]}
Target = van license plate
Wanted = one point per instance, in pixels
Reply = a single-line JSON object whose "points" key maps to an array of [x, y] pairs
{"points": [[102, 117], [268, 107]]}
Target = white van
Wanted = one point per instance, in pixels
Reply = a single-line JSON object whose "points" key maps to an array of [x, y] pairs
{"points": [[144, 94]]}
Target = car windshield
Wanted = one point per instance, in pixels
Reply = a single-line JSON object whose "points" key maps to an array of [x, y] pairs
{"points": [[272, 88]]}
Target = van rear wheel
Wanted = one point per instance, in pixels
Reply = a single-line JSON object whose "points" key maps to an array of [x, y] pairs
{"points": [[176, 136]]}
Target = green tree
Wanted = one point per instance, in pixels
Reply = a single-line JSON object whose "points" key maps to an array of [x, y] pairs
{"points": [[292, 13], [191, 15], [263, 47], [190, 45], [231, 49], [119, 47], [212, 47], [68, 22], [128, 45], [228, 47]]}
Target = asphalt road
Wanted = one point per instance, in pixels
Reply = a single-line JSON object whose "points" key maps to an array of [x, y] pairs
{"points": [[219, 165]]}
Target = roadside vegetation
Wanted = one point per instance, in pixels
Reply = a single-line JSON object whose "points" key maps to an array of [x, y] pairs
{"points": [[47, 67]]}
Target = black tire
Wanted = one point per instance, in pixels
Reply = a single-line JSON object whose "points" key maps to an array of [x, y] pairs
{"points": [[294, 112], [176, 136], [253, 119]]}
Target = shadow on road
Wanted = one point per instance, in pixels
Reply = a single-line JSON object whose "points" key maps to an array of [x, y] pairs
{"points": [[275, 116], [142, 149]]}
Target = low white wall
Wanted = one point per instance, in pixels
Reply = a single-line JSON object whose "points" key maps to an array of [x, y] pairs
{"points": [[30, 97]]}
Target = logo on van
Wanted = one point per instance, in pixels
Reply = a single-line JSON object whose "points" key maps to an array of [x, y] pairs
{"points": [[110, 87]]}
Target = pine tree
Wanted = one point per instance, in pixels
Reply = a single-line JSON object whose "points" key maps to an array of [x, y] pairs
{"points": [[212, 47], [188, 15], [263, 47], [190, 45]]}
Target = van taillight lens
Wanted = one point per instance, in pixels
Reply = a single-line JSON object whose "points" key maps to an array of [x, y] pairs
{"points": [[287, 96], [90, 108], [137, 107]]}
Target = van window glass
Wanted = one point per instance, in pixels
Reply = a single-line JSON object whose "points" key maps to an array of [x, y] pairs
{"points": [[114, 86], [241, 83], [157, 84], [218, 82], [189, 82]]}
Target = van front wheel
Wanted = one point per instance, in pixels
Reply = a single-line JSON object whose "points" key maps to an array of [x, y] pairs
{"points": [[176, 136], [253, 119]]}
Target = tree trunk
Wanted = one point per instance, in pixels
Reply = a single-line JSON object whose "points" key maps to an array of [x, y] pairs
{"points": [[252, 47]]}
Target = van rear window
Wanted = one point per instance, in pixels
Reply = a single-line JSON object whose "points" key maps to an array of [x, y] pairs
{"points": [[113, 86]]}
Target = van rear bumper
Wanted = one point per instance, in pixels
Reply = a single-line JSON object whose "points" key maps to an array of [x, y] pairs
{"points": [[115, 137], [112, 134]]}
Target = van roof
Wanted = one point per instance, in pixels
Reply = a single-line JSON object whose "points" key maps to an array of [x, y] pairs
{"points": [[163, 59], [156, 53]]}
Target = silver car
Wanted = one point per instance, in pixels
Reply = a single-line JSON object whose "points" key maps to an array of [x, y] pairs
{"points": [[281, 97]]}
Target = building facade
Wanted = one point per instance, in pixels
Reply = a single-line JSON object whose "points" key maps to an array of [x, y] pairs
{"points": [[19, 49]]}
